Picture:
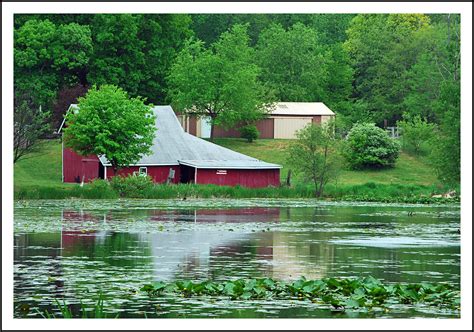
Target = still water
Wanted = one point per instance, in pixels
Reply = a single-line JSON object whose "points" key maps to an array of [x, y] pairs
{"points": [[73, 249]]}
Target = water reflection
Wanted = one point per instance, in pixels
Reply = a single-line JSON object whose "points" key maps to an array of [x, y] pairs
{"points": [[118, 250]]}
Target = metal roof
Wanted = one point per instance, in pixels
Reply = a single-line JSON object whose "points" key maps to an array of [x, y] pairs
{"points": [[303, 108], [229, 164], [172, 146], [72, 106]]}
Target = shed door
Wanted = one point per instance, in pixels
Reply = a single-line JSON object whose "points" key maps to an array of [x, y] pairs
{"points": [[205, 127], [285, 127]]}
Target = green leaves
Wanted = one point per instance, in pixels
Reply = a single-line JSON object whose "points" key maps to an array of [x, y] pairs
{"points": [[219, 82], [368, 146], [340, 294], [111, 124], [315, 155]]}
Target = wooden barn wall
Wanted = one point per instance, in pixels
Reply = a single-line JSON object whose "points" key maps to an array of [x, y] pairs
{"points": [[159, 174], [253, 178], [265, 127], [192, 125], [221, 132], [76, 166]]}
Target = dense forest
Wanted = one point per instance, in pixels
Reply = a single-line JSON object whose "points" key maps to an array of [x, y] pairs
{"points": [[379, 68]]}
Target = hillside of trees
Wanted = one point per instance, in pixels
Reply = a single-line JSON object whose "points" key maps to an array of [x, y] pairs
{"points": [[380, 68]]}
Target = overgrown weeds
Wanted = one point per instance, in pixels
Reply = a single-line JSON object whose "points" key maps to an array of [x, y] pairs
{"points": [[143, 187]]}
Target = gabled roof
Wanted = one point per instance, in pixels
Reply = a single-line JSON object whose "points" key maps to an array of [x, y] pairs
{"points": [[71, 107], [173, 146], [303, 108]]}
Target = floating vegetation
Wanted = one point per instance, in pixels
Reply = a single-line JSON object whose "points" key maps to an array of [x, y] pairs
{"points": [[339, 294]]}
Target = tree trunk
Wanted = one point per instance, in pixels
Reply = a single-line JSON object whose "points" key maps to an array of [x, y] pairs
{"points": [[212, 129], [316, 189], [288, 178]]}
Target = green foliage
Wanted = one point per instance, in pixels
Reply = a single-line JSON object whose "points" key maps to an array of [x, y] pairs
{"points": [[315, 155], [118, 56], [369, 192], [249, 132], [446, 153], [30, 123], [417, 134], [368, 146], [110, 123], [220, 82], [381, 50], [66, 311], [134, 186], [293, 62], [341, 294], [163, 37], [48, 56]]}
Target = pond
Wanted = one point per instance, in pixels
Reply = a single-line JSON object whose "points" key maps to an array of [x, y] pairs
{"points": [[73, 249]]}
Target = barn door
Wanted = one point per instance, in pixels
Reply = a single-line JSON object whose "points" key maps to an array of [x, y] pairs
{"points": [[286, 127]]}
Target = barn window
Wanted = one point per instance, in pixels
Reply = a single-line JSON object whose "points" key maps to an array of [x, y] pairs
{"points": [[142, 171]]}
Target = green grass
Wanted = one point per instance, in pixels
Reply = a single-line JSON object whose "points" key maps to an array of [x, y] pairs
{"points": [[40, 169], [408, 169]]}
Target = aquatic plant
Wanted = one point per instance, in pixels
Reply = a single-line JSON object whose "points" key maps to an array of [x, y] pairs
{"points": [[97, 311], [339, 294]]}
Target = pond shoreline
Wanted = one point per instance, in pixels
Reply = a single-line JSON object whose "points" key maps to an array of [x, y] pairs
{"points": [[369, 192]]}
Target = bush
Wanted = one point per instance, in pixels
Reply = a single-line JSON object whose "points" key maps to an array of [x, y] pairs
{"points": [[417, 134], [368, 146], [135, 186], [249, 132]]}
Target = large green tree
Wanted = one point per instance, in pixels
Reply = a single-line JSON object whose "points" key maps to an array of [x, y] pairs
{"points": [[381, 51], [118, 56], [48, 56], [163, 37], [293, 63], [110, 123], [219, 82]]}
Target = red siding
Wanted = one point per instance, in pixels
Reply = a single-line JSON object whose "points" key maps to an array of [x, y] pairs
{"points": [[253, 178], [192, 125], [317, 119], [266, 127], [221, 132], [75, 166], [159, 174]]}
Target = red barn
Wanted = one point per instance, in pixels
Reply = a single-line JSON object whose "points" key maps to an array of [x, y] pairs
{"points": [[177, 157]]}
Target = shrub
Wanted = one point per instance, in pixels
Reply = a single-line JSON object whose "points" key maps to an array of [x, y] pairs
{"points": [[416, 134], [98, 188], [368, 146], [136, 186], [249, 132]]}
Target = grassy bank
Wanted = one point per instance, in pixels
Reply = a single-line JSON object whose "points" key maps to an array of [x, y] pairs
{"points": [[411, 181], [370, 192]]}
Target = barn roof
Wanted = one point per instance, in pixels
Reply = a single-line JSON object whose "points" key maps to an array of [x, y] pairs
{"points": [[303, 108], [173, 146], [71, 107]]}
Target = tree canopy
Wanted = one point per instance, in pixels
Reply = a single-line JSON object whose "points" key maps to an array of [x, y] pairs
{"points": [[110, 123], [220, 82]]}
